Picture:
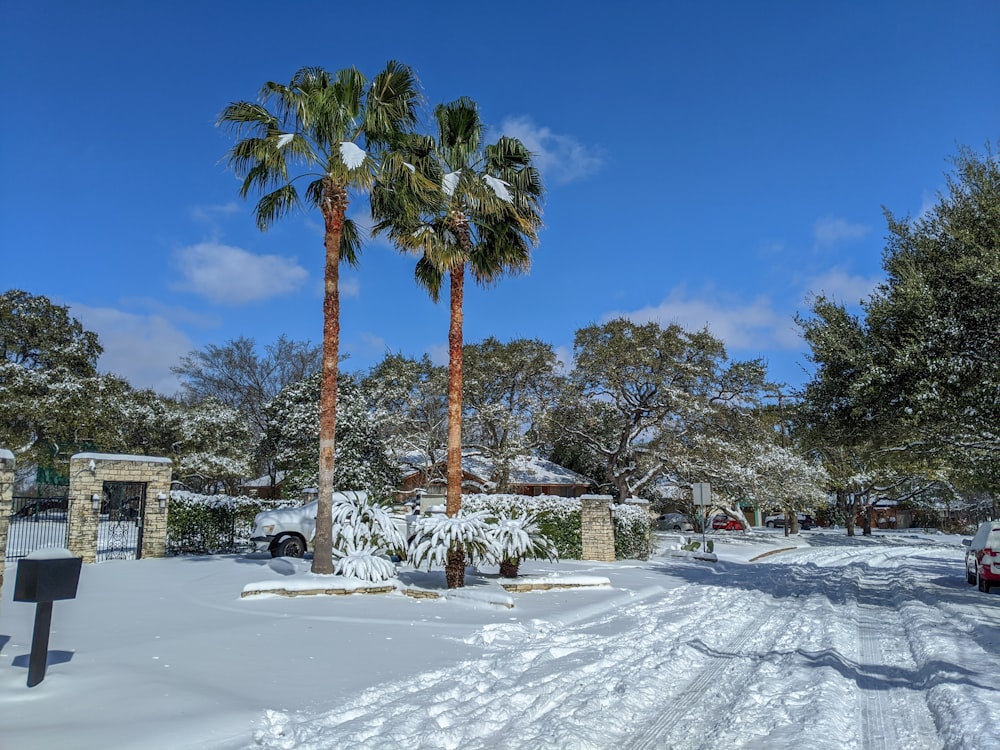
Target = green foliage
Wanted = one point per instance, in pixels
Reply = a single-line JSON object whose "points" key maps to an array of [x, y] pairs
{"points": [[633, 533], [211, 524], [908, 387], [292, 424]]}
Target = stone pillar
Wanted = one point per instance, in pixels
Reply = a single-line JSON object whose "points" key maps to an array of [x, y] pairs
{"points": [[597, 528], [89, 471], [6, 503]]}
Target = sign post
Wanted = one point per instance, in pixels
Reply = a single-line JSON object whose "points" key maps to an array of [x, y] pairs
{"points": [[702, 497]]}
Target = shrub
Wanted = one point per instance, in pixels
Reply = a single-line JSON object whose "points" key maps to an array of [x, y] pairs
{"points": [[518, 538], [633, 537], [211, 524]]}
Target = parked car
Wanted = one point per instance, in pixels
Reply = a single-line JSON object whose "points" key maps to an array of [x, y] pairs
{"points": [[674, 522], [725, 523], [982, 559], [778, 521]]}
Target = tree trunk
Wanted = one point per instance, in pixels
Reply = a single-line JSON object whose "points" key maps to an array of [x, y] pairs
{"points": [[456, 557], [866, 530], [508, 568], [454, 571], [334, 209]]}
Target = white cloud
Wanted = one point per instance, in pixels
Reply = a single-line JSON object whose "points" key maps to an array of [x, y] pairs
{"points": [[209, 213], [830, 231], [560, 158], [232, 276], [743, 326], [439, 354], [140, 348], [842, 287]]}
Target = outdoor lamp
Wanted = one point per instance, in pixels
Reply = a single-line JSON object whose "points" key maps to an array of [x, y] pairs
{"points": [[95, 501], [163, 501]]}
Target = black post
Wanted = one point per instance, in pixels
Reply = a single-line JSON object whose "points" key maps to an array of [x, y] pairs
{"points": [[40, 643]]}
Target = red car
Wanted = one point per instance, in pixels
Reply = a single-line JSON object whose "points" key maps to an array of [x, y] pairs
{"points": [[725, 523]]}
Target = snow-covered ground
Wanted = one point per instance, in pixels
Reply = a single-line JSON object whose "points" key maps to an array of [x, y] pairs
{"points": [[828, 642]]}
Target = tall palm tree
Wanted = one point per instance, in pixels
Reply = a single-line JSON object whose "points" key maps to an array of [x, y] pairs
{"points": [[484, 217], [324, 133]]}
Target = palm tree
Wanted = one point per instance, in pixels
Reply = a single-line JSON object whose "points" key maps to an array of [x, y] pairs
{"points": [[484, 217], [327, 131]]}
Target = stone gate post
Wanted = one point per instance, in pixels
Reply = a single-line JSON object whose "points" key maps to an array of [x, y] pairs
{"points": [[6, 502], [597, 528]]}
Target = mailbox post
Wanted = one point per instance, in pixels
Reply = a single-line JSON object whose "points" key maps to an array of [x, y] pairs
{"points": [[45, 576]]}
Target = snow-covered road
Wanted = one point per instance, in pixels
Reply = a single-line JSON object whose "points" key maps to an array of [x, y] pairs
{"points": [[842, 644]]}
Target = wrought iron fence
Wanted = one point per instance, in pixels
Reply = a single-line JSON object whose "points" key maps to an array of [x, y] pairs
{"points": [[35, 523]]}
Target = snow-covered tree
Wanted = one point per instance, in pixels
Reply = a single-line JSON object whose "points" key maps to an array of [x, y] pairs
{"points": [[642, 398], [508, 389], [292, 425]]}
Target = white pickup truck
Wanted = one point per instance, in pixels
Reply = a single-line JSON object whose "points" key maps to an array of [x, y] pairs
{"points": [[288, 532]]}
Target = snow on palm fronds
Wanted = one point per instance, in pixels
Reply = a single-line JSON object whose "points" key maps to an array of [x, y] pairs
{"points": [[435, 535], [359, 522], [364, 562], [517, 538]]}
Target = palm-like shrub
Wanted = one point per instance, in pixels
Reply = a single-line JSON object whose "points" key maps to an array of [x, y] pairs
{"points": [[515, 539], [361, 523], [364, 562], [437, 538]]}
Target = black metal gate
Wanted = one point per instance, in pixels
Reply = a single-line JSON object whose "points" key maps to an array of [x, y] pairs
{"points": [[36, 522], [119, 532]]}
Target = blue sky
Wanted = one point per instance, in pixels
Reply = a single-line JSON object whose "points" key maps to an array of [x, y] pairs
{"points": [[708, 163]]}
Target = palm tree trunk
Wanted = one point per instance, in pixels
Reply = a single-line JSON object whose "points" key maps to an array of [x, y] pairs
{"points": [[455, 571], [334, 209]]}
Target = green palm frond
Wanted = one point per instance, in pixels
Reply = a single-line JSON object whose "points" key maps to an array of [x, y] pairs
{"points": [[393, 100], [350, 244], [274, 205], [430, 276]]}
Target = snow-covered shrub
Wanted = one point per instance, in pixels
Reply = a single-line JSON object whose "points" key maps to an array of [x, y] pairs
{"points": [[209, 524], [633, 538], [515, 539], [436, 534], [364, 562], [360, 522], [558, 518]]}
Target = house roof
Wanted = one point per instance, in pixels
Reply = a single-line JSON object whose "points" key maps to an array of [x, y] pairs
{"points": [[524, 470], [265, 481]]}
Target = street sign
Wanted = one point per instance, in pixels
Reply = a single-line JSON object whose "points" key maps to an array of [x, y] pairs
{"points": [[702, 493]]}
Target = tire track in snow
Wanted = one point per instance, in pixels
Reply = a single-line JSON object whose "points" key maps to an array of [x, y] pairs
{"points": [[892, 716], [725, 670], [493, 701]]}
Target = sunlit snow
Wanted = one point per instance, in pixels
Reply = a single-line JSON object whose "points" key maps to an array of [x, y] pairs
{"points": [[813, 641]]}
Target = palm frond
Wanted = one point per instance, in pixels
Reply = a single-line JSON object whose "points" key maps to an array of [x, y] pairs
{"points": [[350, 244], [393, 99], [274, 205], [429, 276]]}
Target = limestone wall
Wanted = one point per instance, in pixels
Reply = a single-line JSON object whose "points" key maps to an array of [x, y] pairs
{"points": [[597, 528], [89, 471], [6, 502]]}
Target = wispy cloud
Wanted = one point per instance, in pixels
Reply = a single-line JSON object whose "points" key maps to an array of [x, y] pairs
{"points": [[211, 213], [841, 286], [560, 158], [140, 348], [830, 231], [232, 276], [747, 326]]}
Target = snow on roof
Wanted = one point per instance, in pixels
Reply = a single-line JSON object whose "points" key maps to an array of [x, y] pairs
{"points": [[6, 455], [265, 481], [122, 457], [524, 470]]}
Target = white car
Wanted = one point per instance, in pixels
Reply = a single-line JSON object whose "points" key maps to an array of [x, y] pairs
{"points": [[778, 521], [674, 522]]}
